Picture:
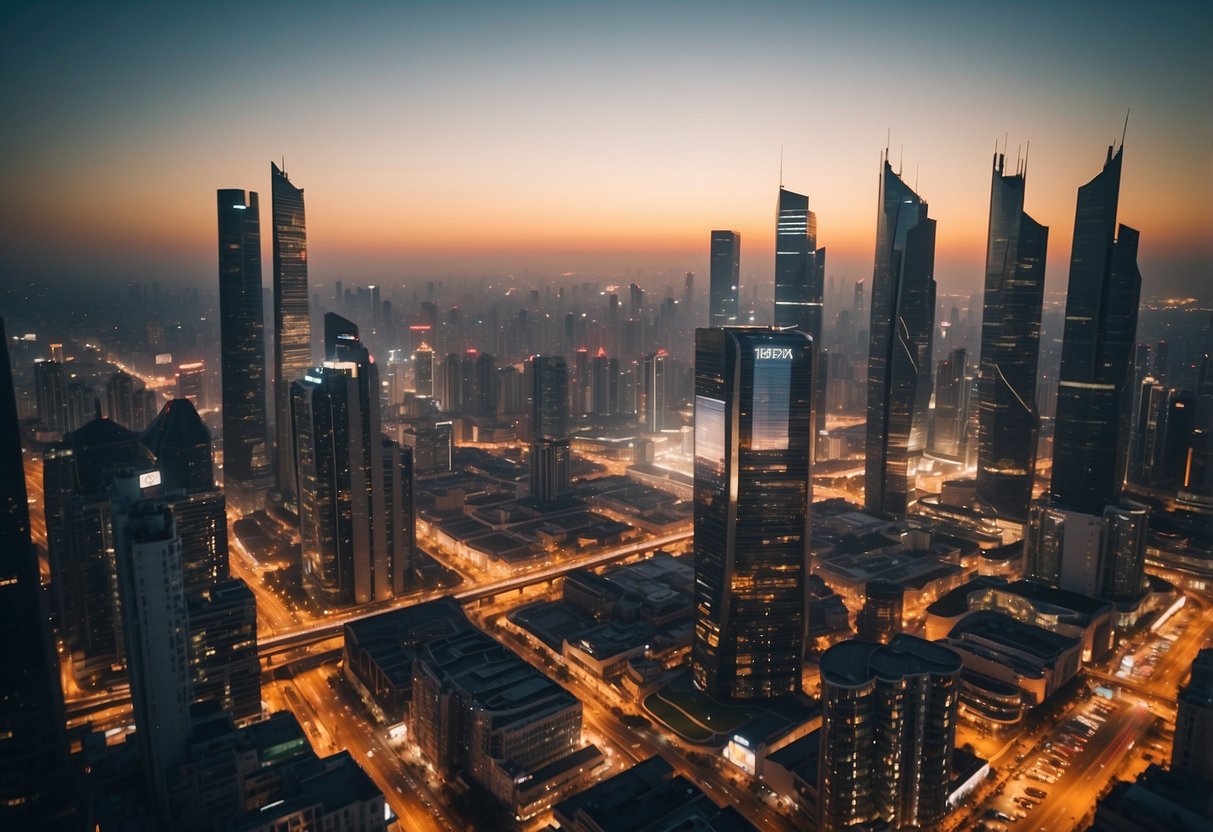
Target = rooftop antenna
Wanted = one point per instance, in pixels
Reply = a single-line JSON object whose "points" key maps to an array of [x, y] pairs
{"points": [[781, 167], [1026, 149], [901, 157], [1124, 132], [916, 166]]}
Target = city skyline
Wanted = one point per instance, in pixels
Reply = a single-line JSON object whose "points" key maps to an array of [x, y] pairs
{"points": [[399, 158]]}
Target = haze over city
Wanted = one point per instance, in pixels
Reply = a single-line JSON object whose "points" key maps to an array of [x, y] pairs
{"points": [[476, 139]]}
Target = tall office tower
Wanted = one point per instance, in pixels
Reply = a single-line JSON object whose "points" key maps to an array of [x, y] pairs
{"points": [[753, 448], [1178, 428], [950, 421], [888, 728], [1101, 555], [181, 446], [1094, 395], [51, 395], [120, 399], [1192, 750], [899, 356], [688, 296], [582, 383], [156, 630], [636, 301], [224, 664], [1148, 432], [398, 532], [191, 383], [470, 395], [605, 378], [485, 373], [33, 745], [800, 269], [882, 616], [1007, 418], [1162, 359], [246, 462], [724, 279], [423, 370], [551, 458], [655, 401], [452, 384], [292, 322]]}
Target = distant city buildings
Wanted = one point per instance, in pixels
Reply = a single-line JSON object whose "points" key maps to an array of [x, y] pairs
{"points": [[753, 448], [551, 456]]}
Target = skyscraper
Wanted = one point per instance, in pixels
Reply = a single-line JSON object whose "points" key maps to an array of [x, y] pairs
{"points": [[33, 745], [655, 397], [156, 630], [800, 269], [1010, 348], [753, 447], [551, 457], [1094, 395], [246, 463], [949, 422], [423, 370], [899, 356], [50, 387], [724, 278], [349, 554], [292, 324], [888, 728], [181, 444], [224, 664]]}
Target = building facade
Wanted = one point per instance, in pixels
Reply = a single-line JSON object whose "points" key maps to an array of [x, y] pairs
{"points": [[753, 451], [724, 279]]}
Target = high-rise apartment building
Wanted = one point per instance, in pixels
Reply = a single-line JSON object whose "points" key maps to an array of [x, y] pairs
{"points": [[800, 268], [888, 731], [246, 461], [224, 664], [724, 278], [753, 448], [1101, 555], [899, 356], [1094, 395], [292, 323], [33, 744], [551, 457], [1008, 420]]}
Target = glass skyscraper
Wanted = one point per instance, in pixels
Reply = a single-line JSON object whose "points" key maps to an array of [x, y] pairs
{"points": [[1010, 347], [753, 447], [1095, 392], [292, 325], [246, 463], [899, 357], [800, 269], [724, 279]]}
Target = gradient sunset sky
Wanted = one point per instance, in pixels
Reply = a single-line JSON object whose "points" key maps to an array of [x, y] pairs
{"points": [[466, 138]]}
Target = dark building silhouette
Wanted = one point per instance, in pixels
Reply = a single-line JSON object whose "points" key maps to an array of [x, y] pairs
{"points": [[888, 728], [246, 462], [899, 356], [1094, 394], [551, 458], [724, 278], [1007, 417], [883, 608], [753, 449], [181, 444], [33, 743], [77, 477], [1192, 751], [292, 323], [50, 394], [800, 268]]}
